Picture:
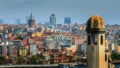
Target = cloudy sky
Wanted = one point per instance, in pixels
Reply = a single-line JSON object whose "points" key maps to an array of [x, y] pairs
{"points": [[78, 10]]}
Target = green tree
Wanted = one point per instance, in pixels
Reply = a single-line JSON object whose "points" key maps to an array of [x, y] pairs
{"points": [[20, 59], [2, 59], [115, 56], [34, 59]]}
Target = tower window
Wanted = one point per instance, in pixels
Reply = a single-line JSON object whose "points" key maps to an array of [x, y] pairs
{"points": [[101, 40], [105, 57], [94, 37], [88, 40], [108, 65]]}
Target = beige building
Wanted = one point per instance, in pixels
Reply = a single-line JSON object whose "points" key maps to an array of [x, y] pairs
{"points": [[23, 51], [72, 48], [98, 54], [118, 49]]}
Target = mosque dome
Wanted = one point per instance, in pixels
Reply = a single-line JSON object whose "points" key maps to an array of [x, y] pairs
{"points": [[95, 23]]}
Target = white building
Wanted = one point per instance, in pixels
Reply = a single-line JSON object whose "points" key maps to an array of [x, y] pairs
{"points": [[33, 49], [112, 46]]}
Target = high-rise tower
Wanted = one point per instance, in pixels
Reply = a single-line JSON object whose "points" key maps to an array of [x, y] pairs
{"points": [[98, 54], [53, 19], [67, 20], [31, 22]]}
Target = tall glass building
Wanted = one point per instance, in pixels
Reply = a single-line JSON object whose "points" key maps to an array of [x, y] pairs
{"points": [[67, 20], [53, 19]]}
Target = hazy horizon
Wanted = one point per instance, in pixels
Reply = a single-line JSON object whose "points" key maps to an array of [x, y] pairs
{"points": [[78, 10]]}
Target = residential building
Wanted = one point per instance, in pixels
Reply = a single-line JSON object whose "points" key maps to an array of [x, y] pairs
{"points": [[33, 49], [23, 51], [112, 46], [1, 50], [118, 49]]}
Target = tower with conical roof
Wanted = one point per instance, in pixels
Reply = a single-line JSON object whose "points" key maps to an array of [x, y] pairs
{"points": [[31, 22], [98, 54]]}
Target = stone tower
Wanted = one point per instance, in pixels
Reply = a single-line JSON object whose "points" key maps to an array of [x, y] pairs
{"points": [[98, 54], [31, 22]]}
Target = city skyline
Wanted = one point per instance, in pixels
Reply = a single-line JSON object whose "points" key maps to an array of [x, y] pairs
{"points": [[79, 11]]}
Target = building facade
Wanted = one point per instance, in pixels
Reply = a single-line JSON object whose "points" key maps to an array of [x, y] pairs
{"points": [[31, 22], [67, 20], [118, 49], [33, 49], [53, 19], [1, 50], [98, 53], [23, 51], [112, 46]]}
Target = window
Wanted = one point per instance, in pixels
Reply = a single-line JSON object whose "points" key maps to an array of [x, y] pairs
{"points": [[108, 65], [105, 57], [101, 40], [88, 40], [94, 37]]}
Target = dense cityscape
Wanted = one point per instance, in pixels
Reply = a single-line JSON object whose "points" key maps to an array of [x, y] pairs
{"points": [[59, 34], [51, 43]]}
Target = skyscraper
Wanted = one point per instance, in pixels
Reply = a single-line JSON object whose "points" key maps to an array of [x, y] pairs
{"points": [[67, 20], [18, 21], [27, 18], [98, 54], [53, 19], [1, 21], [31, 22]]}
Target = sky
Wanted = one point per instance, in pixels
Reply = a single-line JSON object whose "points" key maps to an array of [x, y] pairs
{"points": [[78, 10]]}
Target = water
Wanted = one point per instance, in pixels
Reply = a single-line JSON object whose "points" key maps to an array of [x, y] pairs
{"points": [[78, 66], [83, 66], [117, 65]]}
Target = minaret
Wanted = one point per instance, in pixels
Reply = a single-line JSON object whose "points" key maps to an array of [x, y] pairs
{"points": [[97, 56], [31, 22]]}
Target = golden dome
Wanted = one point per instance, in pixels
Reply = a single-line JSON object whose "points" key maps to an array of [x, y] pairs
{"points": [[95, 23]]}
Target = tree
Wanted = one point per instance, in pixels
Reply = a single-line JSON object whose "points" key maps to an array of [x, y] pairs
{"points": [[20, 59], [34, 59], [2, 59], [115, 56]]}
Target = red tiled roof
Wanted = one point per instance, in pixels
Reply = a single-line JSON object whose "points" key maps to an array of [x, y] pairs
{"points": [[68, 34], [58, 58], [44, 35], [39, 39], [31, 40], [24, 42], [27, 47]]}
